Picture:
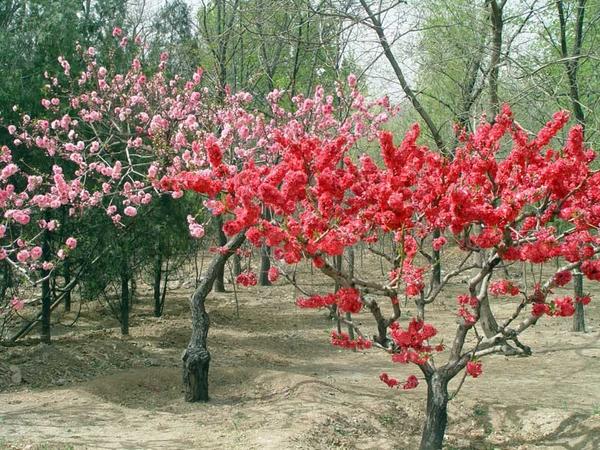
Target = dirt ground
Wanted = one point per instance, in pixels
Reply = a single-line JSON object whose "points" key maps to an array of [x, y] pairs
{"points": [[276, 383]]}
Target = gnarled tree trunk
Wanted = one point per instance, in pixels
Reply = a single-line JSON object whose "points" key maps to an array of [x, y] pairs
{"points": [[437, 411], [196, 358]]}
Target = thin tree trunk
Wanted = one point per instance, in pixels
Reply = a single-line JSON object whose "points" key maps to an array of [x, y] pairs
{"points": [[265, 257], [124, 297], [436, 273], [67, 278], [265, 265], [437, 412], [45, 334], [237, 265], [579, 317], [157, 282], [497, 21], [351, 274], [219, 282], [196, 357]]}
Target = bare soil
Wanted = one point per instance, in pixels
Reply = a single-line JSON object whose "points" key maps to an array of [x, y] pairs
{"points": [[276, 383]]}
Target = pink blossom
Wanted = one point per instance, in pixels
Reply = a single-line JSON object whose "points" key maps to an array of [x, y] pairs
{"points": [[438, 243], [23, 256], [36, 252], [352, 80], [117, 32], [17, 304], [130, 211], [9, 170], [71, 242]]}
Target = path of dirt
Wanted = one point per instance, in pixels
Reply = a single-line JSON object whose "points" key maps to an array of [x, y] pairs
{"points": [[276, 383]]}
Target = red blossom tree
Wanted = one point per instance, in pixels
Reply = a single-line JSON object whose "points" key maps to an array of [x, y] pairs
{"points": [[504, 197]]}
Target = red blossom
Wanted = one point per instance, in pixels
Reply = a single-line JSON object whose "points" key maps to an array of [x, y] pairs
{"points": [[273, 274], [391, 382], [563, 307], [343, 340], [591, 269], [316, 301], [562, 278], [585, 300], [246, 279], [539, 309], [410, 383], [503, 287], [348, 300], [474, 368]]}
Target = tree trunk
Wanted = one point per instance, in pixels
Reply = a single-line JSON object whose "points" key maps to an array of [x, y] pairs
{"points": [[237, 265], [420, 304], [497, 22], [265, 265], [157, 280], [265, 258], [196, 358], [67, 278], [219, 282], [436, 273], [124, 298], [45, 335], [437, 412], [486, 318], [579, 317]]}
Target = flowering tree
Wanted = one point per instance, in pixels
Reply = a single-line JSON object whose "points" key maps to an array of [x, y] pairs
{"points": [[103, 142], [504, 197]]}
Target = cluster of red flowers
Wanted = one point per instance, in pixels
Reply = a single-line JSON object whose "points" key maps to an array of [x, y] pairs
{"points": [[391, 382], [474, 368], [316, 301], [563, 307], [591, 269], [503, 287], [343, 340], [410, 383], [466, 303], [347, 300], [562, 278], [273, 274], [585, 300], [246, 279], [560, 307], [412, 342]]}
